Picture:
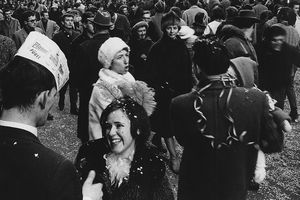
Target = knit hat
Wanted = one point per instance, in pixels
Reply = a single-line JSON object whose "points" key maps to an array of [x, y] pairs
{"points": [[169, 19], [140, 24], [160, 6], [109, 49]]}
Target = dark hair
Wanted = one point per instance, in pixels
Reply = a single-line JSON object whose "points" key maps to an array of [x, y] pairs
{"points": [[272, 32], [211, 55], [86, 15], [22, 80], [139, 120], [286, 14], [193, 2], [293, 3], [217, 13], [27, 14], [177, 11], [231, 12]]}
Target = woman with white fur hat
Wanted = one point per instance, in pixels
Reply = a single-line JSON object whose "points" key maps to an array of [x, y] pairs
{"points": [[114, 81]]}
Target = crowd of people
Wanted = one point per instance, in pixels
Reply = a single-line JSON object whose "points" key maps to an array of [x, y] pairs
{"points": [[144, 76]]}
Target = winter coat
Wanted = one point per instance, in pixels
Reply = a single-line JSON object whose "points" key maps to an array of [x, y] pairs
{"points": [[170, 74], [147, 179], [139, 50], [88, 68], [219, 140], [275, 67], [238, 45], [105, 90]]}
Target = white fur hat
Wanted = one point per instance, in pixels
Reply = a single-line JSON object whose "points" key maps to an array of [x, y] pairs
{"points": [[109, 49]]}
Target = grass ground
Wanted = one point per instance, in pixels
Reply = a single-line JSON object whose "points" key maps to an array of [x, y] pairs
{"points": [[283, 169]]}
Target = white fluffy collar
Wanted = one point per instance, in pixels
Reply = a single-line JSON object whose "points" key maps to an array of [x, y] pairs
{"points": [[112, 77]]}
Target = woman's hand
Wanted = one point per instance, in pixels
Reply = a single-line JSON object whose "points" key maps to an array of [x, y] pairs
{"points": [[92, 191]]}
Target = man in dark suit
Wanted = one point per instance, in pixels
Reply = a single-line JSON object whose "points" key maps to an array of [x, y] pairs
{"points": [[29, 170], [47, 25], [64, 40], [89, 66], [29, 25]]}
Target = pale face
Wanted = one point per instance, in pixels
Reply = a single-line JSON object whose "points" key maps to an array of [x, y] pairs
{"points": [[120, 63], [141, 32], [45, 16], [277, 42], [118, 134], [31, 22], [146, 17], [68, 22], [89, 27], [7, 15], [172, 31], [296, 9]]}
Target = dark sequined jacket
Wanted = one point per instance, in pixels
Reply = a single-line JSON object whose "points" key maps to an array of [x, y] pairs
{"points": [[147, 179]]}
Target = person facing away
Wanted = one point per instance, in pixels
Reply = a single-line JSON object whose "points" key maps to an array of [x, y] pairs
{"points": [[220, 141], [127, 165], [88, 67], [29, 84]]}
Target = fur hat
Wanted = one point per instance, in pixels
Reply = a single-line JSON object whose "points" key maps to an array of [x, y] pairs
{"points": [[169, 19], [109, 49]]}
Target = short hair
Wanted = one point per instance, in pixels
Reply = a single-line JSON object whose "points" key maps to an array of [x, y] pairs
{"points": [[293, 3], [231, 12], [21, 81], [286, 14], [86, 15], [217, 13], [139, 120], [211, 55], [177, 11], [62, 18], [27, 14], [272, 32], [193, 2]]}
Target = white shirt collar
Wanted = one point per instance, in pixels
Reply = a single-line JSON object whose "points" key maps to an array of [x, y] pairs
{"points": [[25, 127]]}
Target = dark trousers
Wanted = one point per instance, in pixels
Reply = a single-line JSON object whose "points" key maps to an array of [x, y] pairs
{"points": [[83, 116], [279, 95], [292, 96], [73, 96]]}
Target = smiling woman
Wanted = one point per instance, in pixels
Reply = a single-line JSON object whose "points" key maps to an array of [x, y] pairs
{"points": [[125, 163]]}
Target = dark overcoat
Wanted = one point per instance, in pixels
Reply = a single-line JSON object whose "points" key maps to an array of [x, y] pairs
{"points": [[29, 170], [170, 74], [220, 129]]}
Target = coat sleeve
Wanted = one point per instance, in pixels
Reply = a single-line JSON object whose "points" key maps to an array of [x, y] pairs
{"points": [[271, 137], [65, 184]]}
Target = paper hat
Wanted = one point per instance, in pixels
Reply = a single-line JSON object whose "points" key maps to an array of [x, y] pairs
{"points": [[42, 50]]}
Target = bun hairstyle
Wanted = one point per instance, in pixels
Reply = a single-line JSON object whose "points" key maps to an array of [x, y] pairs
{"points": [[211, 56]]}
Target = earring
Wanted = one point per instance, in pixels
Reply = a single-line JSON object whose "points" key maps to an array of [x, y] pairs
{"points": [[138, 132]]}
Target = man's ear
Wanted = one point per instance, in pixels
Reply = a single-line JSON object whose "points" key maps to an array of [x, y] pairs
{"points": [[42, 99]]}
